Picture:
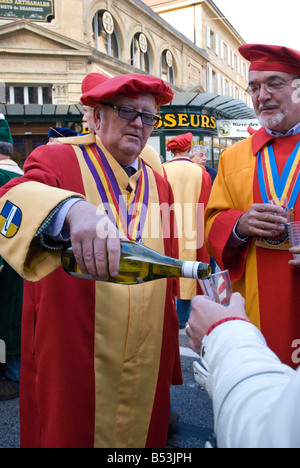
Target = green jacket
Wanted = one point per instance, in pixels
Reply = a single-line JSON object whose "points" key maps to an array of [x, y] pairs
{"points": [[11, 291]]}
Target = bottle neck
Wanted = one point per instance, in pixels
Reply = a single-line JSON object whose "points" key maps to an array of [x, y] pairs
{"points": [[190, 269]]}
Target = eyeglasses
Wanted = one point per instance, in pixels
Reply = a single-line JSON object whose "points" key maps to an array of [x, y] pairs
{"points": [[127, 113], [272, 86]]}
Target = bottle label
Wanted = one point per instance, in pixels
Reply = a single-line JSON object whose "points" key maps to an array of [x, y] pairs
{"points": [[190, 270]]}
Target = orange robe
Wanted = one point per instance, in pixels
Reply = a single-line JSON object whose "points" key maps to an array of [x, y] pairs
{"points": [[263, 276]]}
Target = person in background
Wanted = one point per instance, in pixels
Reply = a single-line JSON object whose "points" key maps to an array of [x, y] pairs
{"points": [[11, 284], [191, 187], [246, 220], [199, 156], [255, 397], [98, 358], [57, 132]]}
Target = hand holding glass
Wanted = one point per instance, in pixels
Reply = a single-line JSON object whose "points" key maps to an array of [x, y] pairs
{"points": [[218, 287], [283, 203]]}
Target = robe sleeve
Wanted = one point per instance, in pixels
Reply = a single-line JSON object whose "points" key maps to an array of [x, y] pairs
{"points": [[221, 216], [27, 203]]}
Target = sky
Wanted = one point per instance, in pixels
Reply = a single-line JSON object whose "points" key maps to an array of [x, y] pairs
{"points": [[273, 22]]}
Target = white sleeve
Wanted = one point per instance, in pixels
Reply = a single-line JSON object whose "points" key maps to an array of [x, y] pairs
{"points": [[247, 384]]}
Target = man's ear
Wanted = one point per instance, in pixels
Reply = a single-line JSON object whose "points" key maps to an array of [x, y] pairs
{"points": [[97, 116]]}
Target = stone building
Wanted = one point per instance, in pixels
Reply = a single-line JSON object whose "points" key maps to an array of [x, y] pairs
{"points": [[48, 47], [204, 24]]}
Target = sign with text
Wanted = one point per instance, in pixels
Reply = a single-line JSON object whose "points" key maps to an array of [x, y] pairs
{"points": [[236, 128], [187, 121], [35, 10]]}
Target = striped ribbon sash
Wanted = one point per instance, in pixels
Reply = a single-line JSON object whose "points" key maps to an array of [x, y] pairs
{"points": [[273, 187], [129, 220]]}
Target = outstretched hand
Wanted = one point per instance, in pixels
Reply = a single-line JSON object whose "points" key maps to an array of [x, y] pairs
{"points": [[206, 312]]}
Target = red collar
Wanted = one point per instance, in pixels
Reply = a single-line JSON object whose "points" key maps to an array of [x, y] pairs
{"points": [[260, 139]]}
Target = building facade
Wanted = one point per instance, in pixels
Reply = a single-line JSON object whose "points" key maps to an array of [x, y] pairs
{"points": [[205, 25], [48, 47]]}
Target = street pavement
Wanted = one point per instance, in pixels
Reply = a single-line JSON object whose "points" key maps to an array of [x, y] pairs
{"points": [[195, 423]]}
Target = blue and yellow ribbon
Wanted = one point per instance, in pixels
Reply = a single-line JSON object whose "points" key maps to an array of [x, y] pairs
{"points": [[273, 187]]}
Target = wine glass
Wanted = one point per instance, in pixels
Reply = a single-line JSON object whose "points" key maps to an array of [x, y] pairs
{"points": [[218, 287]]}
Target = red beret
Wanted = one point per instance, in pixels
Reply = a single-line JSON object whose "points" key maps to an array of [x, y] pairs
{"points": [[92, 80], [181, 143], [271, 58], [129, 85]]}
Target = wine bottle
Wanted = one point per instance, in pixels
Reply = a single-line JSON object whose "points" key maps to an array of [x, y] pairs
{"points": [[139, 264]]}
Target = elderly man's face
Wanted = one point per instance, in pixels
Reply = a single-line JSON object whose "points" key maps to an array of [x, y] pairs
{"points": [[202, 158], [280, 109], [124, 139]]}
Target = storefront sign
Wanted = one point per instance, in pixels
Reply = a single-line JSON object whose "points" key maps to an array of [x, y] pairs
{"points": [[35, 10], [187, 121], [236, 128]]}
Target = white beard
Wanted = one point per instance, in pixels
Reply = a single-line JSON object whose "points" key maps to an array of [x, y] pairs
{"points": [[272, 122]]}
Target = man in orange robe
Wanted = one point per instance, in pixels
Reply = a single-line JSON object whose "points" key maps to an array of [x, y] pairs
{"points": [[98, 358], [245, 233]]}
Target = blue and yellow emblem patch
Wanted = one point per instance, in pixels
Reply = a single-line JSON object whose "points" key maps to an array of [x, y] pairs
{"points": [[10, 220]]}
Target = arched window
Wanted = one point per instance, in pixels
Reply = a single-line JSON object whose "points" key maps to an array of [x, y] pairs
{"points": [[167, 69], [105, 37], [139, 53]]}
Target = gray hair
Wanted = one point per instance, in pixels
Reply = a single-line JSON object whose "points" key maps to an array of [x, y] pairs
{"points": [[6, 148], [197, 148]]}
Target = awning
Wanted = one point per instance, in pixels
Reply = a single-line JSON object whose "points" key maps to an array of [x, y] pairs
{"points": [[42, 113], [222, 107]]}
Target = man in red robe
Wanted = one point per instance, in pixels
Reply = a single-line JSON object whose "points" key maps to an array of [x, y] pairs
{"points": [[98, 358], [245, 232]]}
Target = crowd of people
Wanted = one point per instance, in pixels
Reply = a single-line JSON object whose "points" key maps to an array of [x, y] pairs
{"points": [[98, 359]]}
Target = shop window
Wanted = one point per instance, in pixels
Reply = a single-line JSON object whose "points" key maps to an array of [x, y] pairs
{"points": [[104, 36], [167, 69], [139, 53], [28, 95]]}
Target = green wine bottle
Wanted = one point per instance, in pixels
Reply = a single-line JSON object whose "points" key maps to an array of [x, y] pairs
{"points": [[139, 264]]}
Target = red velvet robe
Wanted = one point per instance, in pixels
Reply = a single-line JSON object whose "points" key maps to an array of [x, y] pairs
{"points": [[97, 359]]}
